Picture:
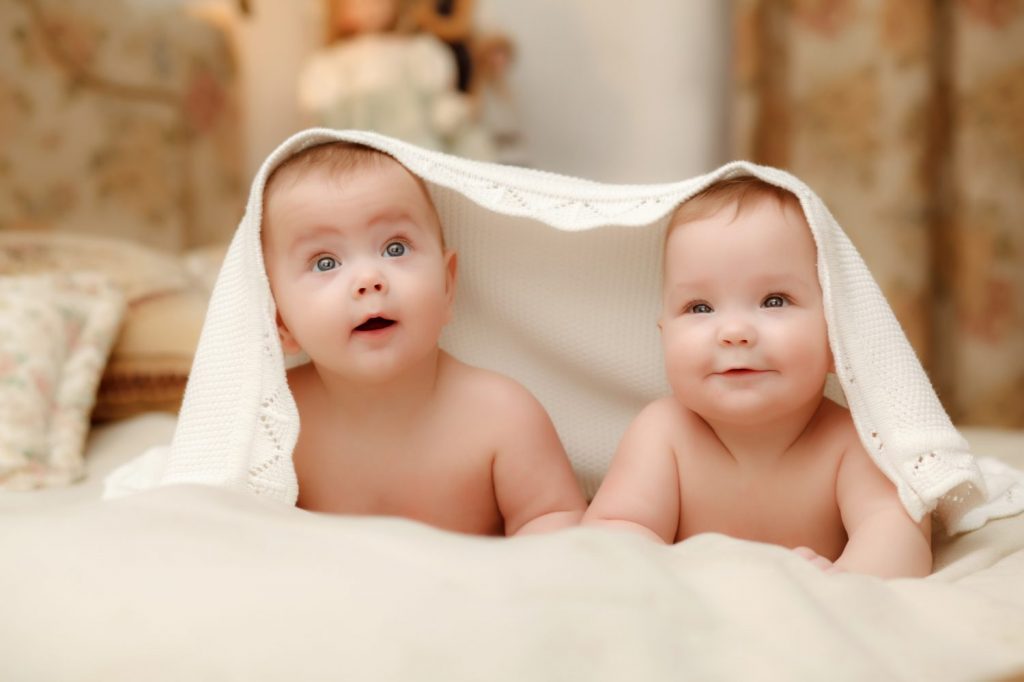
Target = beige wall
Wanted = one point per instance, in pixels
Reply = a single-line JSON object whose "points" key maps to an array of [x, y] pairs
{"points": [[617, 91]]}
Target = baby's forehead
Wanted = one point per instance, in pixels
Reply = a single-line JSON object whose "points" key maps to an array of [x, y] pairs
{"points": [[391, 190], [758, 207], [735, 227]]}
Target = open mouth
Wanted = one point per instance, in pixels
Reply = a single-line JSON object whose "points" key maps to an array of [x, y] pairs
{"points": [[375, 323]]}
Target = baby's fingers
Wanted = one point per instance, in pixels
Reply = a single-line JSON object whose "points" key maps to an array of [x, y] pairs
{"points": [[821, 562]]}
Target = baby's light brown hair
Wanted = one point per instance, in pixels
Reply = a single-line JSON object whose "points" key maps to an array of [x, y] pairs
{"points": [[338, 158], [730, 191]]}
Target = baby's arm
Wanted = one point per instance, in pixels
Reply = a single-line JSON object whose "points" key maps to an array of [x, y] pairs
{"points": [[640, 492], [883, 539], [533, 479]]}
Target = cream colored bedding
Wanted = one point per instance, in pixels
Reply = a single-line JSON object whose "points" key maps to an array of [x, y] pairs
{"points": [[191, 582]]}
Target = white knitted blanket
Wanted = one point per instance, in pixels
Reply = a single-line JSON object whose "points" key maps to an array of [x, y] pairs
{"points": [[559, 287]]}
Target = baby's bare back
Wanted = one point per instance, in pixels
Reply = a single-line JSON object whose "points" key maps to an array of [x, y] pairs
{"points": [[788, 500]]}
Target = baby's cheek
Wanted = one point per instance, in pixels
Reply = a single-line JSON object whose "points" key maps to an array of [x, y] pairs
{"points": [[682, 362]]}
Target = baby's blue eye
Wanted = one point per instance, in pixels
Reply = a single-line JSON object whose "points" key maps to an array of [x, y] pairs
{"points": [[701, 308], [394, 249], [774, 301], [325, 263]]}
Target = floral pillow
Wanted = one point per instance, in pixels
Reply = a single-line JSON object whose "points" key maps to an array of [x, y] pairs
{"points": [[166, 296], [55, 333]]}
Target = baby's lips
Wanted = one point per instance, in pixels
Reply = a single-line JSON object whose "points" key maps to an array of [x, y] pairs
{"points": [[374, 323]]}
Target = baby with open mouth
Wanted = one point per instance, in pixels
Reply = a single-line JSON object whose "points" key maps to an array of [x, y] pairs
{"points": [[374, 324], [390, 424]]}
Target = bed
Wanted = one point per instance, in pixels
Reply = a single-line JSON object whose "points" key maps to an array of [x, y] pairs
{"points": [[195, 582]]}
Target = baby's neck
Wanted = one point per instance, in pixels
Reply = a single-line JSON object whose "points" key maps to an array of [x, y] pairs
{"points": [[398, 400], [765, 442]]}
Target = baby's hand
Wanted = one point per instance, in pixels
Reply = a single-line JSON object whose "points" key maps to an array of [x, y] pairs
{"points": [[821, 562]]}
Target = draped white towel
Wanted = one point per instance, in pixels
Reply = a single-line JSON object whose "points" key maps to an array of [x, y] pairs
{"points": [[559, 288]]}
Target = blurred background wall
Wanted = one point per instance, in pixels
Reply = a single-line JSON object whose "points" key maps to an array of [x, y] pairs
{"points": [[613, 91], [145, 119]]}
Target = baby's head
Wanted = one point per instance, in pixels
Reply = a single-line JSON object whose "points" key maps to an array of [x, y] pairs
{"points": [[743, 325], [356, 260]]}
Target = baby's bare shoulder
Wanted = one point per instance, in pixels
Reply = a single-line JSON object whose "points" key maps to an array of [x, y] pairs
{"points": [[834, 432], [481, 390], [667, 415], [662, 424], [669, 409]]}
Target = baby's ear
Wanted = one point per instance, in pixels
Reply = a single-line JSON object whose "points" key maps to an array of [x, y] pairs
{"points": [[288, 343], [450, 274]]}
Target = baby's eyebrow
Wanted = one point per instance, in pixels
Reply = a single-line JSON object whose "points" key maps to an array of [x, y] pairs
{"points": [[786, 280], [688, 288], [683, 282], [309, 235], [782, 280], [385, 219], [392, 215]]}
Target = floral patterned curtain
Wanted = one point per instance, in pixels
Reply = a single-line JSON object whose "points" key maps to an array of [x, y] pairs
{"points": [[907, 117]]}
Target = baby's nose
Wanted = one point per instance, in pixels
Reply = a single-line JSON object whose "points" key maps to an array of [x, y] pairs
{"points": [[737, 333], [369, 281]]}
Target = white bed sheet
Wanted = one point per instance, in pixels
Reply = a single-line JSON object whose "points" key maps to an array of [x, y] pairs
{"points": [[197, 583]]}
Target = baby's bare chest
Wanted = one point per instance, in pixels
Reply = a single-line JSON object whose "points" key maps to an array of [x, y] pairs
{"points": [[440, 480], [790, 505]]}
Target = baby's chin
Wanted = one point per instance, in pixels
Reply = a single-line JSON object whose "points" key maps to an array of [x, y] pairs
{"points": [[378, 369], [738, 409], [377, 372]]}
